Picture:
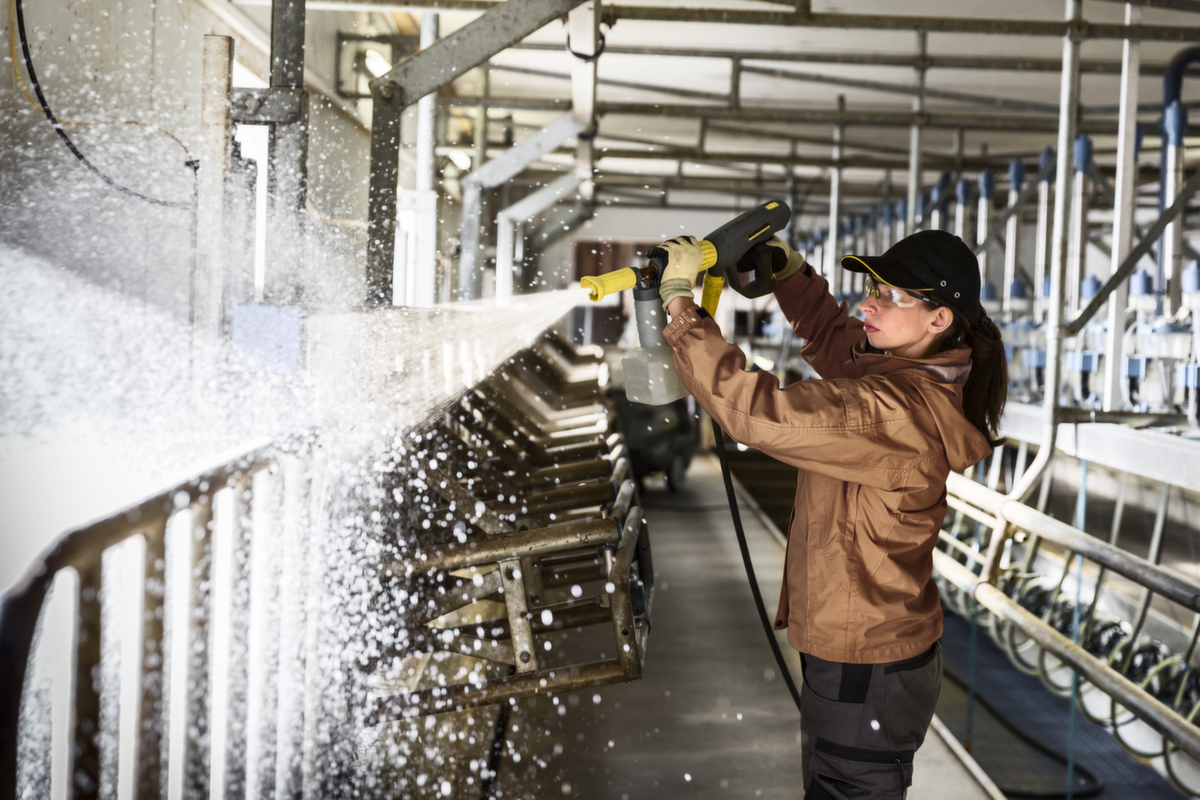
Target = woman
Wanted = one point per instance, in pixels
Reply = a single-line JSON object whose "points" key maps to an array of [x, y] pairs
{"points": [[913, 390]]}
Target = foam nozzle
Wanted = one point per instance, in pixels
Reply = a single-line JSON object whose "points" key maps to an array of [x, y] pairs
{"points": [[601, 286]]}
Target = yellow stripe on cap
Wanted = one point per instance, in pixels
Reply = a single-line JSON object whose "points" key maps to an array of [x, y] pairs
{"points": [[881, 280]]}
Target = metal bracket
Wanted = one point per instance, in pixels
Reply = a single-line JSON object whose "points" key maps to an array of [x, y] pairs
{"points": [[275, 106], [500, 28]]}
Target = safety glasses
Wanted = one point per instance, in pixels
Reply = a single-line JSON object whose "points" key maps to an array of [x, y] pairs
{"points": [[891, 297]]}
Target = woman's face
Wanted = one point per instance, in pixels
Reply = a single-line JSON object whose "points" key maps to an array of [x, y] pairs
{"points": [[907, 332]]}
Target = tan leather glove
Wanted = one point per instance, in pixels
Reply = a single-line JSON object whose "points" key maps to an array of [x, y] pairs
{"points": [[687, 257]]}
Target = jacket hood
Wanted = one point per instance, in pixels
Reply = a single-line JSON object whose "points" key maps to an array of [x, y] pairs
{"points": [[939, 380]]}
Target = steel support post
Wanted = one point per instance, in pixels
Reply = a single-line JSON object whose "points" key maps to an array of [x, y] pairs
{"points": [[216, 153], [287, 161], [481, 117], [1125, 193], [424, 279], [381, 202], [1012, 240], [1077, 247], [427, 113], [983, 221], [914, 137], [1042, 232], [962, 209], [902, 219], [583, 25], [1175, 124], [834, 251], [1069, 112]]}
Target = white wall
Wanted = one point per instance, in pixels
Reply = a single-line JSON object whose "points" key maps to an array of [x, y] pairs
{"points": [[140, 60]]}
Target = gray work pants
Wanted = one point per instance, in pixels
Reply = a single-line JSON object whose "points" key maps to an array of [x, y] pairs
{"points": [[860, 724]]}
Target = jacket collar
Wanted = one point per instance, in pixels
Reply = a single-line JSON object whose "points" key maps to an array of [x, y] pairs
{"points": [[951, 366]]}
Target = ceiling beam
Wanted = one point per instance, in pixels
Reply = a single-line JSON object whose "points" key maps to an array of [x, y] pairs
{"points": [[951, 62], [1076, 29], [798, 17]]}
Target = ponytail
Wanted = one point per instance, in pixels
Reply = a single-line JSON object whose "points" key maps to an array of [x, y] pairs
{"points": [[987, 386]]}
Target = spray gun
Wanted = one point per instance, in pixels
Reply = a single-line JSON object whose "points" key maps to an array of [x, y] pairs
{"points": [[649, 371]]}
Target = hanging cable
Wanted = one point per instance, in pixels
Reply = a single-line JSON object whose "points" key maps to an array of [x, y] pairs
{"points": [[741, 537], [19, 15]]}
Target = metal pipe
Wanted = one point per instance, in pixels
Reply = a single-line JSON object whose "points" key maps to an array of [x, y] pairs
{"points": [[480, 132], [962, 208], [947, 62], [1140, 249], [287, 160], [465, 695], [1175, 125], [1124, 197], [524, 543], [895, 88], [833, 252], [1047, 165], [1077, 246], [1160, 580], [914, 134], [888, 222], [1054, 333], [216, 150], [424, 277], [983, 220], [1153, 711], [1073, 28], [1012, 241], [516, 214], [381, 194], [939, 198]]}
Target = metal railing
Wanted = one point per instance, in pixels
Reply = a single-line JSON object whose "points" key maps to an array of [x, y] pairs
{"points": [[191, 503], [1047, 593], [511, 522]]}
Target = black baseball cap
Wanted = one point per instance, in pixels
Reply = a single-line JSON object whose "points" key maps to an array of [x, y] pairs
{"points": [[928, 261]]}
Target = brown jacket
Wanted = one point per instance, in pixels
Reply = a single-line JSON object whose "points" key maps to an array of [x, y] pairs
{"points": [[874, 441]]}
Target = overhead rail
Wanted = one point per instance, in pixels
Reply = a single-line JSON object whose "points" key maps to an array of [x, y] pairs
{"points": [[801, 16]]}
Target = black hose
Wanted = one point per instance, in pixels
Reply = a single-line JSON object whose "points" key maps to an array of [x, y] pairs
{"points": [[741, 537], [58, 127]]}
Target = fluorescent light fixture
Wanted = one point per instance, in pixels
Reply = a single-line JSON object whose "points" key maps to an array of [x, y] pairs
{"points": [[461, 159], [376, 64]]}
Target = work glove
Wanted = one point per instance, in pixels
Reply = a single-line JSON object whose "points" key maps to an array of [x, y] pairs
{"points": [[687, 257], [785, 262]]}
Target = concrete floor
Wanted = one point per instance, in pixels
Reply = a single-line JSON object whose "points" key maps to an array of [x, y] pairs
{"points": [[711, 718]]}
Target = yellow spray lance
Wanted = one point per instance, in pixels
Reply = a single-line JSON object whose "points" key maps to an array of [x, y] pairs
{"points": [[649, 371]]}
